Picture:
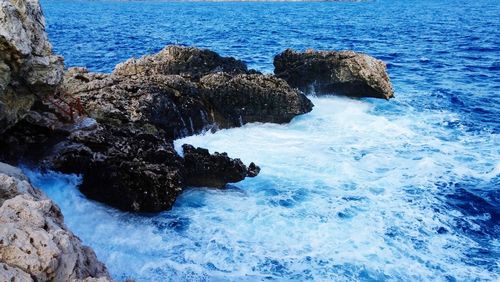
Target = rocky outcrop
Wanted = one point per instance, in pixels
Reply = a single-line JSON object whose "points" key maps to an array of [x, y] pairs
{"points": [[128, 166], [244, 98], [128, 160], [326, 72], [35, 245], [181, 106], [169, 102], [201, 169], [28, 69], [189, 62]]}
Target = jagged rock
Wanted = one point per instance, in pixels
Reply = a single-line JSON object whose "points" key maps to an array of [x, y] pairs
{"points": [[245, 98], [343, 72], [189, 62], [169, 102], [183, 107], [28, 69], [134, 168], [35, 245], [201, 169], [128, 166]]}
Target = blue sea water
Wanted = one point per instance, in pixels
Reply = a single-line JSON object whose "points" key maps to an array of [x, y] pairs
{"points": [[358, 189]]}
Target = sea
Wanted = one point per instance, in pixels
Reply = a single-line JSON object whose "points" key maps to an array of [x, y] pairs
{"points": [[357, 189]]}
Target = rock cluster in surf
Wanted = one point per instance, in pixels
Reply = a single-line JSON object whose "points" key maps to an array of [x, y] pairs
{"points": [[127, 159]]}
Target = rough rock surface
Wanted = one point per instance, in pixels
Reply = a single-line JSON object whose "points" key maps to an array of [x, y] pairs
{"points": [[203, 169], [128, 166], [245, 98], [128, 161], [183, 107], [28, 69], [343, 72], [35, 245], [189, 62], [32, 137], [169, 102]]}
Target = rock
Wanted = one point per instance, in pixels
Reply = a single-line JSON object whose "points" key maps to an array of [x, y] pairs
{"points": [[343, 72], [28, 69], [243, 98], [129, 162], [201, 169], [31, 137], [190, 62], [134, 168], [35, 245], [182, 107], [169, 102], [128, 166]]}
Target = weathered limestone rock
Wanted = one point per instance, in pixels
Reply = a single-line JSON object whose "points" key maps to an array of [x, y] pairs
{"points": [[169, 102], [327, 72], [189, 62], [28, 69], [35, 245], [183, 107]]}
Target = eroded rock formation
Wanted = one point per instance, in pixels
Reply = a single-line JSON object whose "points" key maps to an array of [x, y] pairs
{"points": [[129, 166], [189, 62], [35, 245], [128, 160], [327, 72], [213, 170], [28, 69]]}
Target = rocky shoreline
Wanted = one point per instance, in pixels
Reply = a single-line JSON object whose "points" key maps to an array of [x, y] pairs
{"points": [[117, 130]]}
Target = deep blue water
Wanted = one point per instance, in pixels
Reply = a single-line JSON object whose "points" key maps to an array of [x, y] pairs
{"points": [[357, 189]]}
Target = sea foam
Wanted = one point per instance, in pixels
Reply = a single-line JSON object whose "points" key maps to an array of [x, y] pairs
{"points": [[356, 189]]}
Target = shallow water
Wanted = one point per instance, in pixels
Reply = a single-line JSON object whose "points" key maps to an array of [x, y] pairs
{"points": [[357, 189]]}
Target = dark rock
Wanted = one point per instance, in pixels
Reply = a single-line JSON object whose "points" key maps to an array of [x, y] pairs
{"points": [[31, 137], [326, 72], [169, 102], [182, 107], [201, 169], [236, 100], [253, 170], [188, 62], [126, 166]]}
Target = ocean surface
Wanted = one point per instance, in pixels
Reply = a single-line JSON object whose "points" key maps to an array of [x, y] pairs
{"points": [[358, 189]]}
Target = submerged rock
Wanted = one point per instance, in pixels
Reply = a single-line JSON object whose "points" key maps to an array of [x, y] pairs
{"points": [[35, 245], [343, 72], [28, 69], [201, 169]]}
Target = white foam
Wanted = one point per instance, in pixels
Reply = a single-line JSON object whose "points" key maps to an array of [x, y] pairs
{"points": [[344, 193]]}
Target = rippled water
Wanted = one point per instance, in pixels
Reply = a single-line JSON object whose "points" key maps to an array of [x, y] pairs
{"points": [[357, 189]]}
